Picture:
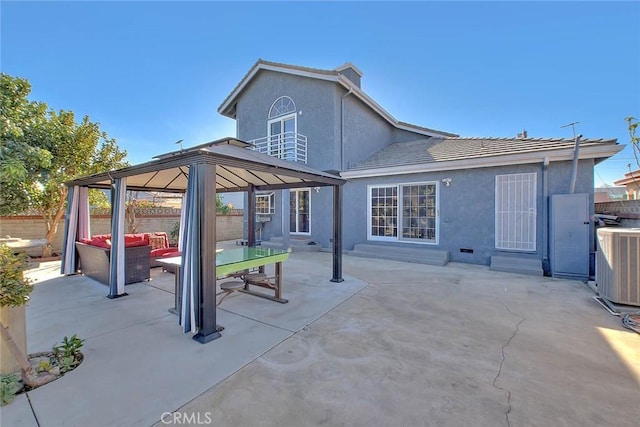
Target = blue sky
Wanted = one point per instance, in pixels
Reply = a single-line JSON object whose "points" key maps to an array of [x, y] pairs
{"points": [[152, 73]]}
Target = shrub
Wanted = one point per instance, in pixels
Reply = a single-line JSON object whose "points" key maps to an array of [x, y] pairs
{"points": [[9, 386], [14, 287]]}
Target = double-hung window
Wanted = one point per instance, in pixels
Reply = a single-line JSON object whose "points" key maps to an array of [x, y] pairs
{"points": [[404, 212]]}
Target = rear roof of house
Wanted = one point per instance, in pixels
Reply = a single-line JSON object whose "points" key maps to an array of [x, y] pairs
{"points": [[456, 153]]}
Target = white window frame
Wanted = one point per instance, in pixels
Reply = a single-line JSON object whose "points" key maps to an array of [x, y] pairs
{"points": [[271, 208], [296, 191], [516, 212], [274, 114], [370, 236], [275, 142], [399, 214]]}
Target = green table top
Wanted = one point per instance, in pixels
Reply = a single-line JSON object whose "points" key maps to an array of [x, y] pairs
{"points": [[232, 260]]}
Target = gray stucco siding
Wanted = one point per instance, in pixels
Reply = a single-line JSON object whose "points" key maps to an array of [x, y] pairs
{"points": [[401, 135], [314, 100], [466, 208], [365, 132]]}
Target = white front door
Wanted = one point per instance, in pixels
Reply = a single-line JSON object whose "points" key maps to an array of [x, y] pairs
{"points": [[300, 211]]}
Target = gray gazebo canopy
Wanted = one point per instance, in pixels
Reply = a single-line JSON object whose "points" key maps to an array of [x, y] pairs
{"points": [[239, 169], [232, 167]]}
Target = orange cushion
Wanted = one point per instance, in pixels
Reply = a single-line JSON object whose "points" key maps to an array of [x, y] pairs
{"points": [[157, 242]]}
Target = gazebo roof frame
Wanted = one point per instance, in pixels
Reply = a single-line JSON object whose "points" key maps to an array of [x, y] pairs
{"points": [[239, 170]]}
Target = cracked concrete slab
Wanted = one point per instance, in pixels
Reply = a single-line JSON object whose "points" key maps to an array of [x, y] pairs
{"points": [[401, 344], [424, 345]]}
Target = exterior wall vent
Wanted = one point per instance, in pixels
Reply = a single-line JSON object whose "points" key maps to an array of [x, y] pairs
{"points": [[618, 265]]}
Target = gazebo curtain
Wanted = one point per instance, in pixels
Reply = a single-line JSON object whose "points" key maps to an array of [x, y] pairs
{"points": [[182, 220], [77, 226], [117, 256], [190, 243]]}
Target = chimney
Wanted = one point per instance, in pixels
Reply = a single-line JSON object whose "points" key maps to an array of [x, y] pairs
{"points": [[522, 135], [351, 72]]}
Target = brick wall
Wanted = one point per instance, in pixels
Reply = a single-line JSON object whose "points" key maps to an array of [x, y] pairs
{"points": [[228, 227]]}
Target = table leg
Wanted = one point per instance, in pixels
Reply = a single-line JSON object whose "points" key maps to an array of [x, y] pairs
{"points": [[278, 280], [177, 297], [277, 292]]}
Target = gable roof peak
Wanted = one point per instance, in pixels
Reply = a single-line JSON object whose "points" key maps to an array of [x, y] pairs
{"points": [[347, 76]]}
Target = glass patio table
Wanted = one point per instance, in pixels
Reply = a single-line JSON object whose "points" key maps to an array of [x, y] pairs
{"points": [[229, 261]]}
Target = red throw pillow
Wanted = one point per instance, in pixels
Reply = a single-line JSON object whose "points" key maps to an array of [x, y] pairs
{"points": [[131, 240]]}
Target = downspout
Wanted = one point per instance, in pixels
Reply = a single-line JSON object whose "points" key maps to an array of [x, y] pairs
{"points": [[546, 267], [574, 165], [342, 127]]}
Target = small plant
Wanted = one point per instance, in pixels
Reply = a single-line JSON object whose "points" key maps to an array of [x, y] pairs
{"points": [[175, 232], [70, 347], [44, 366], [9, 386], [67, 363]]}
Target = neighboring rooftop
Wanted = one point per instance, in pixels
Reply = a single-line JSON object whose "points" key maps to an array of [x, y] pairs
{"points": [[629, 178]]}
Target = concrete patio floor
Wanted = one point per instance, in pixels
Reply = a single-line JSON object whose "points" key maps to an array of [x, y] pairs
{"points": [[395, 344]]}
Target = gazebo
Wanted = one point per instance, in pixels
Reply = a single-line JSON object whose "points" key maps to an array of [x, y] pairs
{"points": [[232, 166]]}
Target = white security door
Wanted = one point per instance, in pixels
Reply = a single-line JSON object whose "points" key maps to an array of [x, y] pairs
{"points": [[516, 212]]}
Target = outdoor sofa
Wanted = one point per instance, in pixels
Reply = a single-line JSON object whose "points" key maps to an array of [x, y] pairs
{"points": [[142, 250]]}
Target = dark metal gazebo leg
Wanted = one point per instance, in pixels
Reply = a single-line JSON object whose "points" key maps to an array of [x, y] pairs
{"points": [[337, 234], [207, 327]]}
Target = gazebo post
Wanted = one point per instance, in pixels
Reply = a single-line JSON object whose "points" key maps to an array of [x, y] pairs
{"points": [[337, 234], [251, 216], [207, 327], [118, 254]]}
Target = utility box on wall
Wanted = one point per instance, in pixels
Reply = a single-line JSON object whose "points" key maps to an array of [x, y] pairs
{"points": [[569, 235]]}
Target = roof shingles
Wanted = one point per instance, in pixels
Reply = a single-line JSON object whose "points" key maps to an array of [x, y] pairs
{"points": [[431, 150]]}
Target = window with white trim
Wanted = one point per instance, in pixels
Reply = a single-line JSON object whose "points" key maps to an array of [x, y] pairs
{"points": [[404, 212], [281, 107], [282, 129], [516, 211], [265, 204]]}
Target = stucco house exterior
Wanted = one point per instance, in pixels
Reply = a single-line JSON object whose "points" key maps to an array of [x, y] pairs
{"points": [[413, 192]]}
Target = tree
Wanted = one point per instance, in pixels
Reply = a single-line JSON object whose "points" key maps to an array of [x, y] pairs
{"points": [[635, 141], [221, 207], [62, 149], [19, 161]]}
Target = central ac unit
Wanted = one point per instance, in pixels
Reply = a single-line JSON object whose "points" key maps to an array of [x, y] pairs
{"points": [[618, 265]]}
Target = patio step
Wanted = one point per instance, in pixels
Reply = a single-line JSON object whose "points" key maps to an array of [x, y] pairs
{"points": [[418, 255], [520, 265], [296, 244]]}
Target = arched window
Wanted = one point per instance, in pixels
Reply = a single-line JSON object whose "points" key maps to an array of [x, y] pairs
{"points": [[282, 106]]}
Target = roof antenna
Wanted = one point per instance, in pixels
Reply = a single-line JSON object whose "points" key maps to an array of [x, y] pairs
{"points": [[179, 142], [573, 128]]}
